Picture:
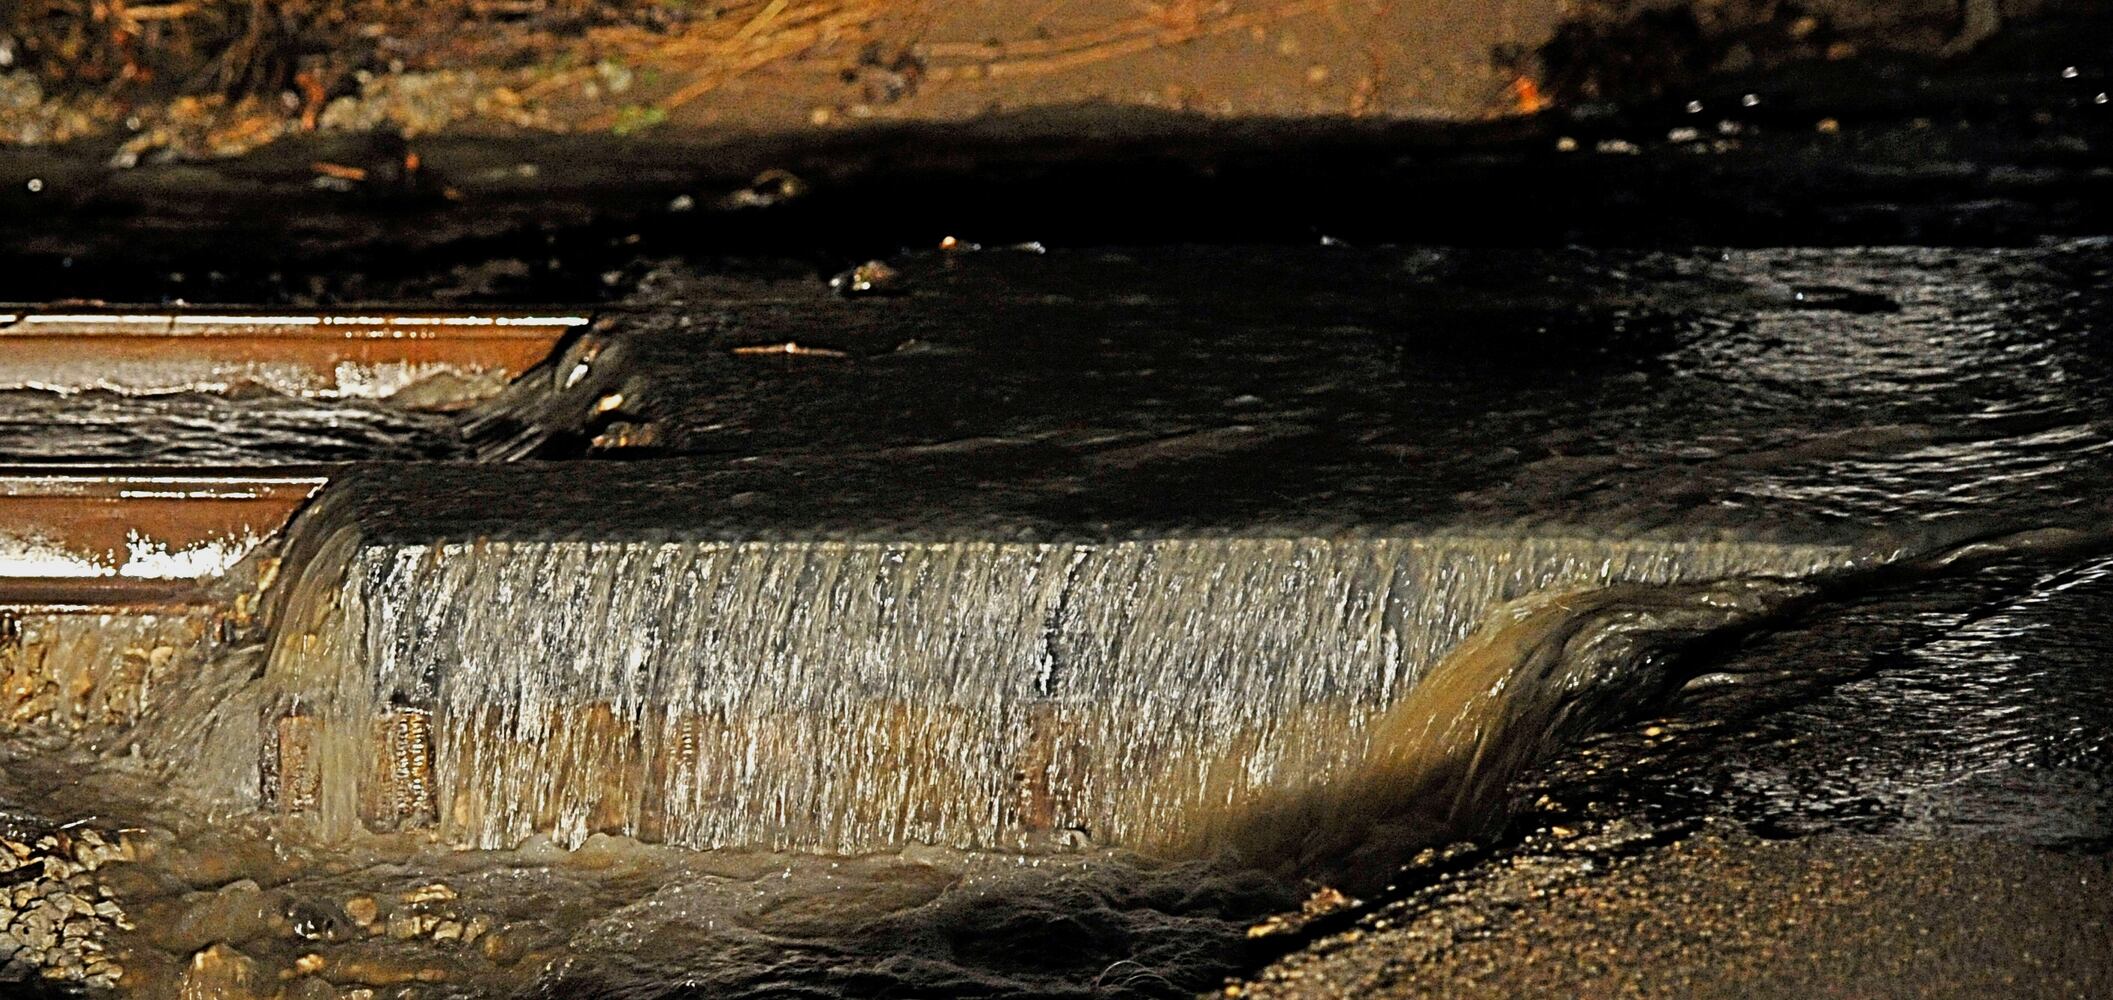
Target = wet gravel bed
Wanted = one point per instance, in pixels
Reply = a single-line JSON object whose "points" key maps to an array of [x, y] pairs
{"points": [[55, 912]]}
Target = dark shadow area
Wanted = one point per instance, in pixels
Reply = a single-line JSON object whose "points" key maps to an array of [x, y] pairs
{"points": [[2006, 145]]}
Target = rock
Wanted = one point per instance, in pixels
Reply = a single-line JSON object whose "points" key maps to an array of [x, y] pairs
{"points": [[503, 948], [405, 925], [238, 912], [771, 187], [38, 931], [218, 973], [870, 278], [385, 970], [319, 922], [312, 988], [141, 845], [434, 893], [362, 910]]}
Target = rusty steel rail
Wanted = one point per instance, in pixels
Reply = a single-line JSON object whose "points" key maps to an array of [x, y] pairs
{"points": [[115, 582], [104, 539], [349, 353], [88, 538]]}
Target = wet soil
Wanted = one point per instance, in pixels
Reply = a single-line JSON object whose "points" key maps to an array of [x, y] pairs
{"points": [[1722, 915]]}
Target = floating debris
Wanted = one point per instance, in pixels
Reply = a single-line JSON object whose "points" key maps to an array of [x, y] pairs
{"points": [[339, 171], [1324, 901], [789, 347], [621, 434], [870, 278], [771, 187]]}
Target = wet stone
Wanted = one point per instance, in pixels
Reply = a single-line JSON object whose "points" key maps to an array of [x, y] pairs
{"points": [[362, 910], [55, 920], [870, 278]]}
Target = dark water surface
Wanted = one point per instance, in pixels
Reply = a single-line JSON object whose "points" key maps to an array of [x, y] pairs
{"points": [[39, 427]]}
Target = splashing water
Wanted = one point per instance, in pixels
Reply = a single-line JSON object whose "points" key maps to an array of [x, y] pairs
{"points": [[849, 697]]}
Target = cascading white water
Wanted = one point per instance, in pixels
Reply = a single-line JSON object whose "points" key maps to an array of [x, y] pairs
{"points": [[858, 696]]}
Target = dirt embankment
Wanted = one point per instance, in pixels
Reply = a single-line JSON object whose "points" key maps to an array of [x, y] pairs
{"points": [[191, 79]]}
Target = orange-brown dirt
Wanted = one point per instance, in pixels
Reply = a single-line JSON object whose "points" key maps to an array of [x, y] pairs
{"points": [[192, 78]]}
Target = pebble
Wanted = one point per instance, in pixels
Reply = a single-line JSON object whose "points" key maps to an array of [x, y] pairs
{"points": [[436, 892], [405, 925], [362, 910]]}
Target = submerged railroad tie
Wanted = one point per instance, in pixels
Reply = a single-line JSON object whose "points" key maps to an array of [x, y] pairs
{"points": [[112, 578], [849, 697]]}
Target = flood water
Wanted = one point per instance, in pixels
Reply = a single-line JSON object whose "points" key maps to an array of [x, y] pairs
{"points": [[39, 427], [1085, 609]]}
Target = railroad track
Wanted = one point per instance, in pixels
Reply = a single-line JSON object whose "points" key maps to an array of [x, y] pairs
{"points": [[113, 576]]}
